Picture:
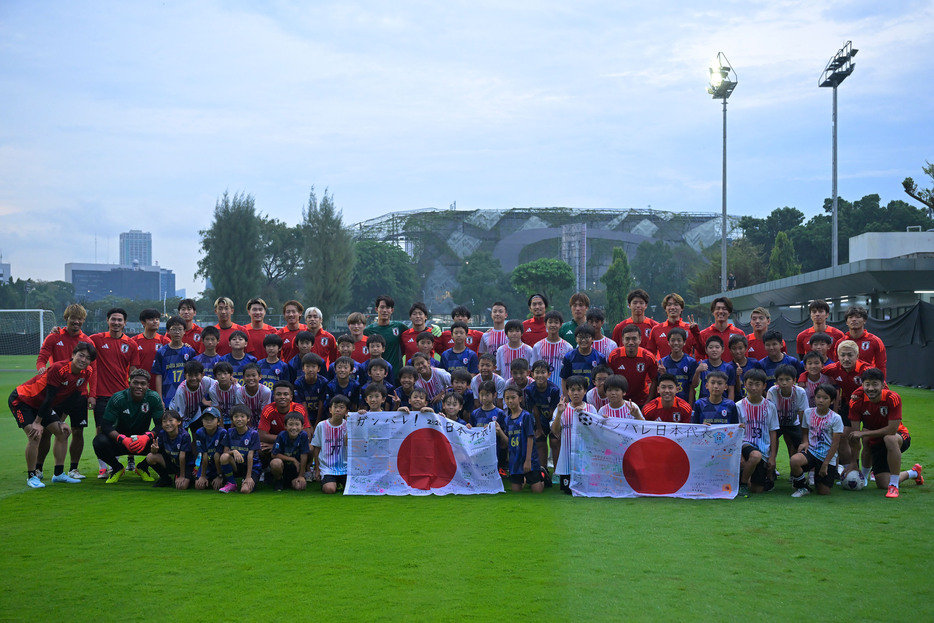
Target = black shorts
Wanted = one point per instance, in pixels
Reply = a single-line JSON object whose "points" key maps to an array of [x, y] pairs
{"points": [[26, 415], [792, 435], [533, 477], [815, 463], [760, 475], [566, 484], [100, 406], [880, 455], [240, 471], [289, 471], [340, 480], [172, 466]]}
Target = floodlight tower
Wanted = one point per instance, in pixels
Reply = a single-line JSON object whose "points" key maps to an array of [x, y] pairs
{"points": [[836, 71], [721, 82]]}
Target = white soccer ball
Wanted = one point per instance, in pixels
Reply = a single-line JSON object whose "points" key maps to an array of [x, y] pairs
{"points": [[852, 481]]}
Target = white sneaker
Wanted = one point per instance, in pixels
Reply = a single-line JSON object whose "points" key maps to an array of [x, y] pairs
{"points": [[63, 477], [800, 493], [103, 474], [34, 482], [76, 474]]}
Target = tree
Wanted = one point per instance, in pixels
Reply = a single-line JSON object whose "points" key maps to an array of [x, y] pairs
{"points": [[762, 232], [655, 269], [382, 268], [232, 256], [782, 260], [923, 195], [282, 259], [482, 281], [547, 276], [619, 283], [328, 255], [743, 259]]}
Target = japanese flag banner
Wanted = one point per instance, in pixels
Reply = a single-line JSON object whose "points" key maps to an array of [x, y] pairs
{"points": [[395, 453], [621, 458]]}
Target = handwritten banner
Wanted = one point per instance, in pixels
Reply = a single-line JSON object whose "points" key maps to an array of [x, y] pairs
{"points": [[615, 457], [395, 453]]}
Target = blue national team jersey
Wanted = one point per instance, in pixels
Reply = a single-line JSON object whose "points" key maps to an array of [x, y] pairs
{"points": [[390, 392], [480, 417], [239, 364], [466, 360], [683, 370], [271, 373], [311, 395], [751, 364], [546, 400], [171, 450], [363, 373], [723, 412], [521, 431], [357, 374], [352, 391], [246, 442], [726, 367], [770, 366], [469, 403], [576, 363], [403, 397], [212, 445], [287, 446], [208, 363], [170, 363]]}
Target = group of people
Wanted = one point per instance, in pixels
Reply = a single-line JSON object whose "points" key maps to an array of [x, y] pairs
{"points": [[208, 407]]}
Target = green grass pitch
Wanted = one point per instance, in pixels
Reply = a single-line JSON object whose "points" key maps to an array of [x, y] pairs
{"points": [[92, 552]]}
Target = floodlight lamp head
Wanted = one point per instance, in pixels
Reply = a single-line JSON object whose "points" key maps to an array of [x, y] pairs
{"points": [[720, 84]]}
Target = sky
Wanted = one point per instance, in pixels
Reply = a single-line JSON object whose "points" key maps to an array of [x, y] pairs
{"points": [[139, 115]]}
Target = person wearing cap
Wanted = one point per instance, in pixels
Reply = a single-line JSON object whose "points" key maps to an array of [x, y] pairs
{"points": [[210, 440]]}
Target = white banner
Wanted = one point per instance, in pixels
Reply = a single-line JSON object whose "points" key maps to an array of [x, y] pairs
{"points": [[620, 458], [394, 453]]}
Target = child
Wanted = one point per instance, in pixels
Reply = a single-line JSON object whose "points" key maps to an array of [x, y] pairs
{"points": [[377, 346], [679, 365], [487, 367], [168, 366], [513, 349], [487, 411], [775, 357], [238, 357], [517, 432], [790, 401], [356, 322], [254, 394], [418, 402], [241, 453], [597, 394], [290, 454], [552, 349], [426, 346], [541, 399], [459, 357], [432, 380], [495, 337], [813, 375], [345, 346], [224, 393], [739, 347], [582, 360], [210, 440], [715, 409], [562, 421], [343, 384], [821, 343], [209, 338], [715, 363], [818, 451], [760, 436], [616, 404], [170, 453], [304, 340], [407, 376], [601, 343], [192, 395], [520, 374], [667, 406], [329, 447], [460, 384], [311, 388], [445, 339], [374, 387], [452, 407]]}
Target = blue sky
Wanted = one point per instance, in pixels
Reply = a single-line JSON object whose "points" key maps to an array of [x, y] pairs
{"points": [[140, 114]]}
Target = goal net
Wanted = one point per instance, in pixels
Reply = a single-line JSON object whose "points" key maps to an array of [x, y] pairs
{"points": [[22, 330]]}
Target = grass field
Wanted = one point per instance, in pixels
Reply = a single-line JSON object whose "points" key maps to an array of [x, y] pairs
{"points": [[95, 552]]}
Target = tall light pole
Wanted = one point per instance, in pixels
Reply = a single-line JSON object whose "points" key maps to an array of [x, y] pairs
{"points": [[836, 71], [722, 81]]}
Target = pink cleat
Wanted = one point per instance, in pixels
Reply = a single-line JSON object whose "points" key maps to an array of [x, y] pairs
{"points": [[892, 492], [228, 488], [920, 479]]}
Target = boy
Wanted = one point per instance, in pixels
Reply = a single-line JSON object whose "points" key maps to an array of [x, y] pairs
{"points": [[760, 436], [237, 355], [452, 407], [258, 330], [210, 440], [311, 388], [513, 349], [668, 406], [329, 447], [487, 367], [714, 363], [679, 365], [638, 365], [541, 399], [343, 384], [433, 380], [379, 368], [562, 420], [426, 346], [597, 394], [241, 453], [376, 345], [616, 404], [418, 402], [818, 451], [192, 396], [459, 356], [819, 311], [790, 401], [460, 384], [775, 357], [487, 411], [519, 378], [208, 342], [356, 322], [552, 349], [292, 314], [290, 454], [345, 345], [739, 346], [495, 337], [169, 364], [871, 348], [601, 343], [170, 453], [186, 310], [303, 341], [517, 432], [821, 344], [223, 309], [813, 375], [149, 341], [407, 376], [253, 394], [580, 307], [224, 393], [271, 368], [715, 408], [582, 360]]}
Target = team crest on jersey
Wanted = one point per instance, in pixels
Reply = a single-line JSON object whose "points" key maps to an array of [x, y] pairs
{"points": [[884, 411], [80, 381], [197, 337], [324, 341], [395, 331], [124, 348], [865, 345], [185, 356], [145, 407], [640, 367]]}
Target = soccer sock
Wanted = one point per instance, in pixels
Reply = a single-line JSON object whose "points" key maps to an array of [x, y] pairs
{"points": [[227, 472], [912, 473], [74, 465], [59, 470], [893, 480], [801, 482], [31, 473], [162, 471], [38, 467]]}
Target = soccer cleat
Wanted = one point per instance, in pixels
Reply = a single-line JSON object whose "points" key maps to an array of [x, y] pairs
{"points": [[63, 477], [800, 493], [279, 485], [115, 477], [230, 487], [743, 491], [144, 475], [76, 474], [162, 482], [103, 473], [920, 479], [39, 474], [34, 482], [892, 492]]}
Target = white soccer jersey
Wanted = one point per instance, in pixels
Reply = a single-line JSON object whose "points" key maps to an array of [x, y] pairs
{"points": [[605, 346], [760, 419], [624, 411], [492, 340], [563, 465], [505, 355], [553, 354], [593, 397], [789, 406], [332, 459], [820, 432], [439, 381], [497, 379], [188, 402], [225, 399], [256, 402], [811, 386]]}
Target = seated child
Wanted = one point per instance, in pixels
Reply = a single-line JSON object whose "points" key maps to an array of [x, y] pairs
{"points": [[290, 454], [616, 405], [241, 453], [210, 440], [170, 453]]}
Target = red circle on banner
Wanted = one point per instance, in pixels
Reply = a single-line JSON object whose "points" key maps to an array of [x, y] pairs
{"points": [[426, 460], [656, 465]]}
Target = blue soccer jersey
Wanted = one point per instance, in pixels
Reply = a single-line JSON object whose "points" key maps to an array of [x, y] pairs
{"points": [[545, 400], [683, 370], [751, 364], [357, 374], [211, 446], [770, 366], [520, 431], [208, 363], [287, 446], [363, 373], [727, 368], [403, 397], [271, 373], [312, 394], [351, 390], [244, 443], [171, 450], [706, 412], [239, 364], [576, 363], [464, 360], [170, 363], [482, 417]]}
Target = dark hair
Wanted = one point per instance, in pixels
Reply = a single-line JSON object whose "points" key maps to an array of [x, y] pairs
{"points": [[600, 369], [519, 363], [378, 362], [407, 370], [579, 297], [499, 304], [210, 330], [854, 310], [385, 298], [460, 325], [272, 340], [595, 314], [541, 363], [174, 321], [420, 306], [828, 389], [585, 329], [149, 314], [638, 293], [172, 414], [819, 305], [186, 302], [812, 354], [513, 325], [786, 370], [294, 415], [756, 374], [375, 388], [714, 338], [349, 361], [193, 366], [283, 383], [722, 299], [488, 387], [736, 337], [312, 359], [86, 347], [345, 338], [252, 366], [513, 388], [717, 374], [460, 310], [539, 295], [632, 328], [488, 357], [678, 331], [222, 366], [115, 310], [459, 397], [376, 338], [308, 336], [554, 314], [237, 333], [617, 381], [772, 335], [425, 335], [577, 380], [666, 377], [820, 337], [420, 392], [340, 399], [461, 374], [241, 409], [873, 374]]}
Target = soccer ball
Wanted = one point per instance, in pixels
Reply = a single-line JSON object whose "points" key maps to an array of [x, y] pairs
{"points": [[852, 481]]}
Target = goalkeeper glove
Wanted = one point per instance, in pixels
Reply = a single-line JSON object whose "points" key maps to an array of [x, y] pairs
{"points": [[436, 330], [127, 442]]}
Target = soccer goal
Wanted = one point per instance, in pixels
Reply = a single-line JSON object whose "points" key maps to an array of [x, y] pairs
{"points": [[22, 330]]}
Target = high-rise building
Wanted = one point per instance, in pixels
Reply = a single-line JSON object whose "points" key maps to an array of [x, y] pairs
{"points": [[136, 248]]}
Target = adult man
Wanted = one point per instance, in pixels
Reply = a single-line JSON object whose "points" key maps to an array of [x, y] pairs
{"points": [[324, 345], [390, 329], [638, 302], [418, 316], [871, 348], [257, 330], [759, 318], [819, 311], [272, 419], [721, 308], [149, 341], [292, 313], [192, 337], [668, 406], [223, 309], [673, 304], [579, 305], [533, 329], [444, 341], [125, 426], [60, 386], [637, 364]]}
